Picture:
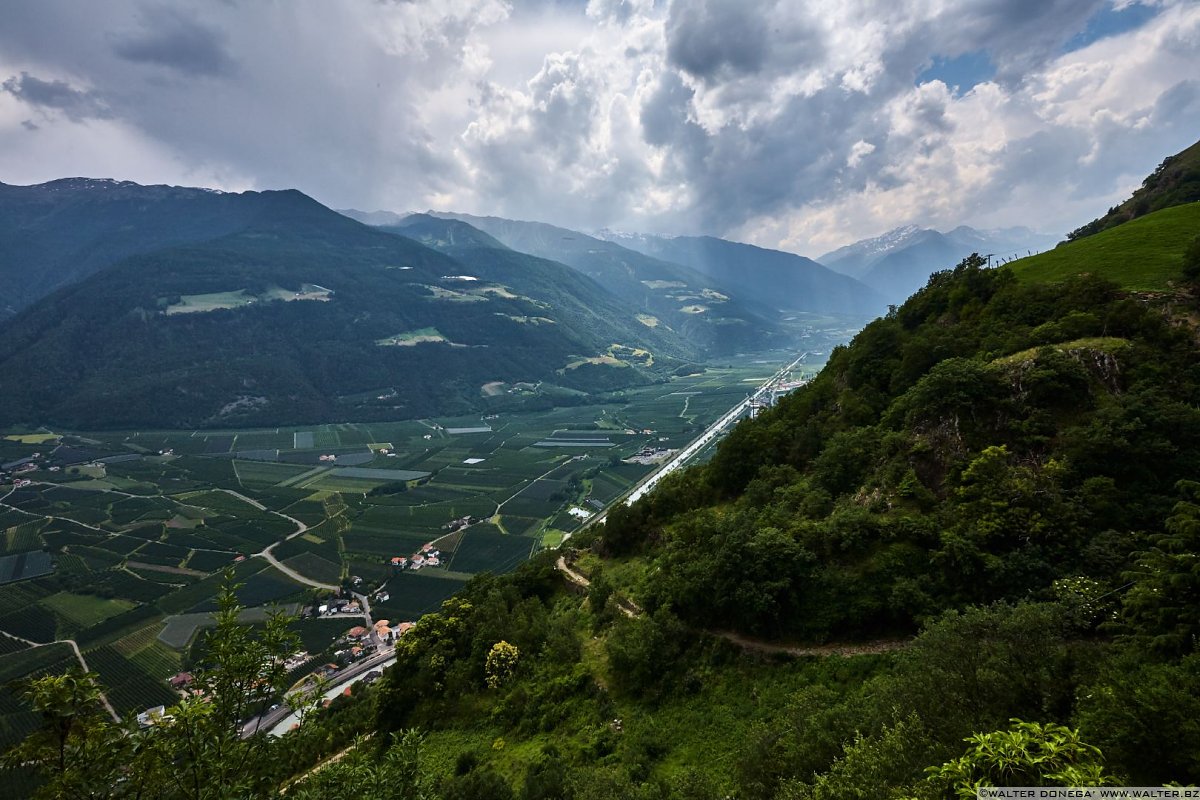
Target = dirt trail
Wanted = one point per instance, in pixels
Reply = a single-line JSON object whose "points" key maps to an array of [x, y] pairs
{"points": [[845, 649]]}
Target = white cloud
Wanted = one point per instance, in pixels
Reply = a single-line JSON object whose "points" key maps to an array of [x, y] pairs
{"points": [[783, 122]]}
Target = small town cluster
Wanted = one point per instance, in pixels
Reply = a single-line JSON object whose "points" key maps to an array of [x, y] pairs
{"points": [[359, 654], [427, 556]]}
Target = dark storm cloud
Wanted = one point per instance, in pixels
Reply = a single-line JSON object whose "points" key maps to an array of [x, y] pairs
{"points": [[76, 104], [1020, 35], [711, 116], [173, 39], [711, 38], [796, 156], [664, 115], [1180, 101]]}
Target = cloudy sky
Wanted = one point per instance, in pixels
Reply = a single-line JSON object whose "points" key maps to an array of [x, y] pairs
{"points": [[802, 124]]}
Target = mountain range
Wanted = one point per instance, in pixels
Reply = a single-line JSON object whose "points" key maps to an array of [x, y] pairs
{"points": [[900, 261], [772, 277], [297, 314], [135, 305], [57, 233], [660, 293]]}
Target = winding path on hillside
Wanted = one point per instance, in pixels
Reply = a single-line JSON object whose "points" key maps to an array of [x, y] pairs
{"points": [[750, 644]]}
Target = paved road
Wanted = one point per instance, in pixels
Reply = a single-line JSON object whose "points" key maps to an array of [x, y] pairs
{"points": [[266, 553], [699, 443], [268, 721]]}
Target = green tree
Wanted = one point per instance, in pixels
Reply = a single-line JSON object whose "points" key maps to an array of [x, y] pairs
{"points": [[871, 767], [364, 775], [501, 664], [1027, 754], [79, 752], [1162, 608], [644, 650], [1191, 260], [195, 751]]}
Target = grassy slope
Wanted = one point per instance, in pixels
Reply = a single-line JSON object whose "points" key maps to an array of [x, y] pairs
{"points": [[1142, 255], [1175, 182]]}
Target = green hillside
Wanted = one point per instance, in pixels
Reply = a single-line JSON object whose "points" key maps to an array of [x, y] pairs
{"points": [[719, 317], [1145, 254], [58, 233], [995, 470], [1175, 182], [964, 554], [299, 319]]}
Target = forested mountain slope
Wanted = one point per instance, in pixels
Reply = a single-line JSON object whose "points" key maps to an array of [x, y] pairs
{"points": [[478, 251], [715, 316], [56, 233], [1001, 467], [978, 445], [775, 278], [307, 316]]}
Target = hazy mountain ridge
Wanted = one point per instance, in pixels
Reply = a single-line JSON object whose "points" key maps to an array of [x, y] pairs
{"points": [[56, 233], [303, 314], [714, 316], [781, 280], [900, 261]]}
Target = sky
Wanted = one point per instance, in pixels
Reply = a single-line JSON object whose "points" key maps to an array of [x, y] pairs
{"points": [[798, 124]]}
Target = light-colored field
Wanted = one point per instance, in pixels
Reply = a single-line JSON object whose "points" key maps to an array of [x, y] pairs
{"points": [[664, 284], [442, 293], [410, 338], [308, 291], [636, 354], [33, 438], [200, 303], [498, 291], [604, 360], [85, 610], [647, 320], [528, 320]]}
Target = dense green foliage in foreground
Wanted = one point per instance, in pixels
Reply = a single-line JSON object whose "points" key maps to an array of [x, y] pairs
{"points": [[591, 705], [992, 440]]}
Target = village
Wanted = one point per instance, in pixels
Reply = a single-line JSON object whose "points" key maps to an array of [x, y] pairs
{"points": [[358, 655]]}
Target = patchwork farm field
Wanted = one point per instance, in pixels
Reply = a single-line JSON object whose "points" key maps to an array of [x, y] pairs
{"points": [[119, 540]]}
